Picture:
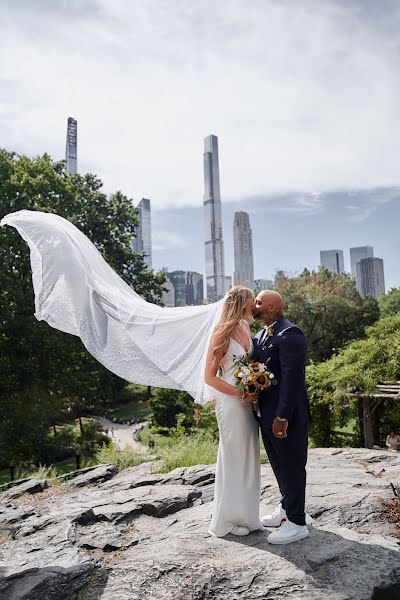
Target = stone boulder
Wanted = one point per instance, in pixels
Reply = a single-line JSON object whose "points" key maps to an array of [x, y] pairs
{"points": [[136, 535]]}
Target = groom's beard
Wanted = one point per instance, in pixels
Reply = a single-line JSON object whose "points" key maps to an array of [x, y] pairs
{"points": [[259, 315]]}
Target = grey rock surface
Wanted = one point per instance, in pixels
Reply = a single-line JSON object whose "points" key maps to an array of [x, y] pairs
{"points": [[31, 486], [136, 535], [99, 474]]}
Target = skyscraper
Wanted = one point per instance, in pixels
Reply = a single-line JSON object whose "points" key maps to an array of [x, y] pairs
{"points": [[215, 263], [370, 277], [194, 288], [263, 284], [356, 254], [243, 249], [142, 240], [168, 296], [332, 260], [228, 283], [71, 151], [188, 287]]}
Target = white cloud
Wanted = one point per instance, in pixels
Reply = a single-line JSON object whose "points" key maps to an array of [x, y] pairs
{"points": [[303, 96], [365, 204]]}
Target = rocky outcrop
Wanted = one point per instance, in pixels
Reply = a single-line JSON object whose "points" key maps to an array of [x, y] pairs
{"points": [[99, 474], [138, 535], [30, 486]]}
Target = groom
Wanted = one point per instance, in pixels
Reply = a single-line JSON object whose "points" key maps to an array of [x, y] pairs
{"points": [[284, 414]]}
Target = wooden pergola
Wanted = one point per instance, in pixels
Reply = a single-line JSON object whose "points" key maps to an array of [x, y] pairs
{"points": [[384, 391]]}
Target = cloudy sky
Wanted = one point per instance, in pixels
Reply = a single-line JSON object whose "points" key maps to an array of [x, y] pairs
{"points": [[304, 97]]}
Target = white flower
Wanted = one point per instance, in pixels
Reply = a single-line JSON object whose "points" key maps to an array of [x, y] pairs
{"points": [[271, 376], [261, 368], [241, 375]]}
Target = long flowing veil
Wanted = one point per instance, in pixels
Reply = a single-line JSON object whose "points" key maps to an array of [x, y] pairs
{"points": [[77, 292]]}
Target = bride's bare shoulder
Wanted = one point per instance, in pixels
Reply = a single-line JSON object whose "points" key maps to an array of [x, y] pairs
{"points": [[218, 339], [245, 325]]}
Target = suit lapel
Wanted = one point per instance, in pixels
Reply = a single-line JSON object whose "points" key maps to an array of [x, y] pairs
{"points": [[277, 328]]}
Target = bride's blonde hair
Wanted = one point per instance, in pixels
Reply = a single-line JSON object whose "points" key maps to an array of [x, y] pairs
{"points": [[237, 301]]}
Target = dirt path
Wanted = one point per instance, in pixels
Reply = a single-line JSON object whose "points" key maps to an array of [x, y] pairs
{"points": [[122, 435]]}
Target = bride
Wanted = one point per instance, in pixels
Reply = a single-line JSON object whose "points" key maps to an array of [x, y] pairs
{"points": [[237, 480], [182, 348]]}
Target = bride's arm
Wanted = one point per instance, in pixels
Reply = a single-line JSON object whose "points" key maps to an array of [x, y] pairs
{"points": [[213, 362]]}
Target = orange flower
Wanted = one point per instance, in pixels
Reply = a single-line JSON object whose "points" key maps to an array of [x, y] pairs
{"points": [[261, 380]]}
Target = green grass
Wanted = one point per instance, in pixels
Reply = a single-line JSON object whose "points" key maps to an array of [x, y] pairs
{"points": [[124, 458], [187, 452], [148, 437]]}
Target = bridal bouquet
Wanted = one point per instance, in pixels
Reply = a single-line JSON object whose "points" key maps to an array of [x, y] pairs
{"points": [[252, 377]]}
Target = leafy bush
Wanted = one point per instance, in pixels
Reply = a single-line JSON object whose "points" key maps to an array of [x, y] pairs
{"points": [[389, 304], [358, 368], [168, 404], [42, 472]]}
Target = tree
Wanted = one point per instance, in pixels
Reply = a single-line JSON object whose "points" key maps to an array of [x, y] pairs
{"points": [[359, 367], [42, 370], [328, 308], [389, 304], [168, 404]]}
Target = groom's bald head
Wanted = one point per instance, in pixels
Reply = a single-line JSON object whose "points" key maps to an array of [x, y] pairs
{"points": [[268, 306]]}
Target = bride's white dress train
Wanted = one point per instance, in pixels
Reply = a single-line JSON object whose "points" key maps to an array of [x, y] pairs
{"points": [[237, 479]]}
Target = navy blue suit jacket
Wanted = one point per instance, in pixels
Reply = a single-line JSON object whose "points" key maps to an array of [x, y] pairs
{"points": [[285, 354]]}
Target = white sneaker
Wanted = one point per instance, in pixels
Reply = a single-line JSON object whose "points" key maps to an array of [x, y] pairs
{"points": [[275, 518], [240, 530], [287, 533]]}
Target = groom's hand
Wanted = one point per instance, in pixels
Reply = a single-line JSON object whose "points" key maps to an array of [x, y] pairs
{"points": [[279, 428]]}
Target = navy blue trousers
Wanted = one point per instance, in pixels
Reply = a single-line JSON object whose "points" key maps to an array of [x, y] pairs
{"points": [[288, 458]]}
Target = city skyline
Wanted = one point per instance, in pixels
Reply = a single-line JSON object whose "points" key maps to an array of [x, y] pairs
{"points": [[312, 231], [242, 234]]}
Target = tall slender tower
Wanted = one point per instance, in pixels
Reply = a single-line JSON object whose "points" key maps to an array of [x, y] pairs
{"points": [[142, 239], [243, 248], [71, 151], [215, 262]]}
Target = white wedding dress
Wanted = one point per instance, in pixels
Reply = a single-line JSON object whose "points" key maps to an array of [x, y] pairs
{"points": [[77, 292], [237, 478]]}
